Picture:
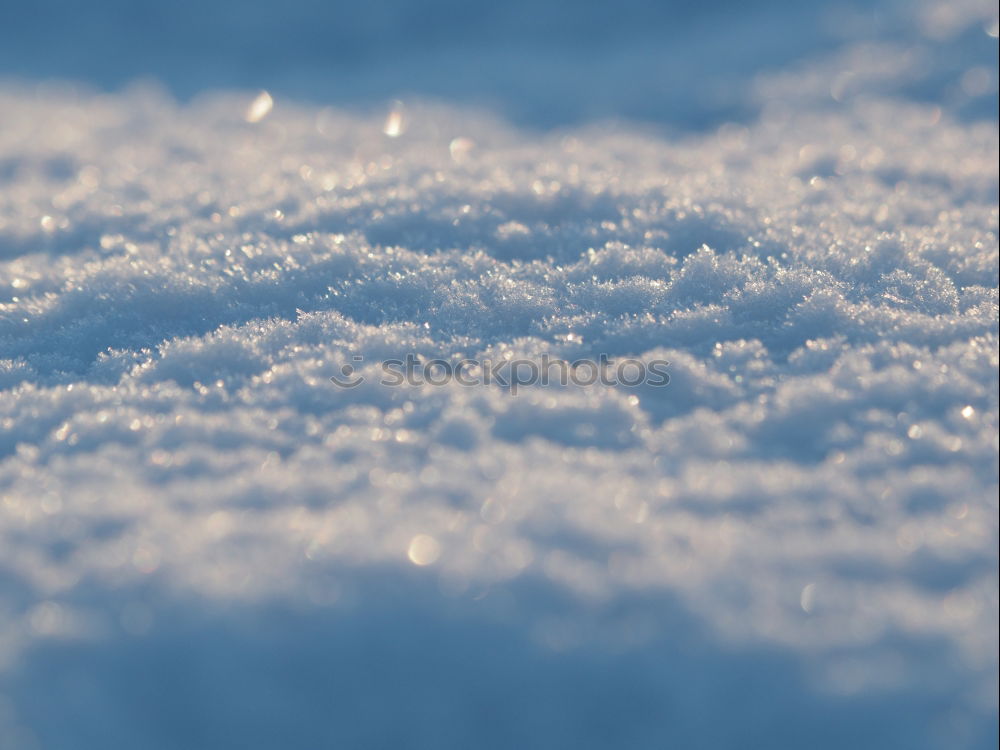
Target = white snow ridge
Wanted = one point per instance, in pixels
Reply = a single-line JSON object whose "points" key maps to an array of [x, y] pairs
{"points": [[206, 543]]}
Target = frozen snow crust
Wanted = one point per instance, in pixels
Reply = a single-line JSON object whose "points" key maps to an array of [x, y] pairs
{"points": [[205, 543]]}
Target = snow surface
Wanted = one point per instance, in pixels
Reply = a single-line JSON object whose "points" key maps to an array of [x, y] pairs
{"points": [[204, 543]]}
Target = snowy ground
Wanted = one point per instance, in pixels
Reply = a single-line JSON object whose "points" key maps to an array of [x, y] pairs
{"points": [[204, 543]]}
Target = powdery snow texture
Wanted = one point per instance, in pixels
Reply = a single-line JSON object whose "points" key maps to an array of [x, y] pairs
{"points": [[205, 543]]}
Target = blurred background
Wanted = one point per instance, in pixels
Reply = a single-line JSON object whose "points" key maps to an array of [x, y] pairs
{"points": [[684, 64]]}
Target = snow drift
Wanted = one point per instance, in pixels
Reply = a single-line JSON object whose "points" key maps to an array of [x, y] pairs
{"points": [[206, 543]]}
